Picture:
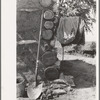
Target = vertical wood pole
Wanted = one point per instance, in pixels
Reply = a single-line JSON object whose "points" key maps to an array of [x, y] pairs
{"points": [[62, 53], [37, 59]]}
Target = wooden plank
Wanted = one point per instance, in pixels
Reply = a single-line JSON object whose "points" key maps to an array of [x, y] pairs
{"points": [[23, 98], [26, 42]]}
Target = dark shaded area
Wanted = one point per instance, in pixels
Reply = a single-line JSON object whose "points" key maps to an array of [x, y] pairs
{"points": [[84, 74]]}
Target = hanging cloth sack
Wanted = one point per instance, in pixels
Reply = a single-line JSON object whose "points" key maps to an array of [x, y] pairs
{"points": [[67, 30], [80, 35]]}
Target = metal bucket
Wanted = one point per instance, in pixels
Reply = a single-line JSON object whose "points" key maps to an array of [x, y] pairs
{"points": [[52, 73], [20, 87]]}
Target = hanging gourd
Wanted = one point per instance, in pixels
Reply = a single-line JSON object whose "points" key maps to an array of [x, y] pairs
{"points": [[48, 24], [49, 58], [45, 3], [48, 14], [47, 34]]}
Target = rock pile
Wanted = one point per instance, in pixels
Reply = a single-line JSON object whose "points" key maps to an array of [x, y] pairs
{"points": [[54, 89]]}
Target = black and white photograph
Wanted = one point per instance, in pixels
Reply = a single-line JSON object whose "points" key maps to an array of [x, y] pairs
{"points": [[56, 49]]}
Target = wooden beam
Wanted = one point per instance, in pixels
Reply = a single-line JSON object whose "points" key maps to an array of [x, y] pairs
{"points": [[26, 42]]}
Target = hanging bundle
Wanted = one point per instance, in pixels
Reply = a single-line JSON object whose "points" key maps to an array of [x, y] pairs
{"points": [[70, 30]]}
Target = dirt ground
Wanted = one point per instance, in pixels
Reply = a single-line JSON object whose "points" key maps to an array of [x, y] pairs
{"points": [[80, 94], [84, 78]]}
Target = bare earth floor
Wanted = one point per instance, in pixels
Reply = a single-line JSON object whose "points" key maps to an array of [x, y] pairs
{"points": [[84, 74]]}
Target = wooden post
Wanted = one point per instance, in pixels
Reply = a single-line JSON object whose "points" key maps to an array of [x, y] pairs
{"points": [[62, 53], [38, 50]]}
